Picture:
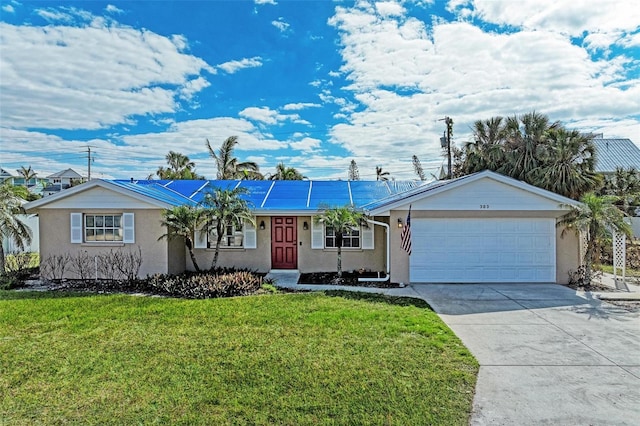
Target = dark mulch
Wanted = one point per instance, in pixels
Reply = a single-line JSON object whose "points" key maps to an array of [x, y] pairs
{"points": [[349, 278]]}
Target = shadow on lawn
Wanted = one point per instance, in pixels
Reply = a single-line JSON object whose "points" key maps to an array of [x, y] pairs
{"points": [[379, 298]]}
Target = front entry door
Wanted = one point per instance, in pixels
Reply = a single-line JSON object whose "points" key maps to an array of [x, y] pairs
{"points": [[284, 243]]}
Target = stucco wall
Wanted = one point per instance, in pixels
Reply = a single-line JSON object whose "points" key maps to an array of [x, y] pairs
{"points": [[567, 254], [309, 260], [55, 234], [567, 247]]}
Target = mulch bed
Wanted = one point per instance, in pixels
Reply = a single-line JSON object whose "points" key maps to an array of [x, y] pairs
{"points": [[348, 278]]}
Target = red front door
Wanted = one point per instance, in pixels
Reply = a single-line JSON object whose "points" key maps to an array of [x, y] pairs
{"points": [[284, 243]]}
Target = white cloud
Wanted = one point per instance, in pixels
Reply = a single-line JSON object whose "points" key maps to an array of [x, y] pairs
{"points": [[404, 75], [113, 9], [234, 66], [281, 25], [266, 115], [390, 8], [568, 16], [260, 2], [306, 144], [300, 106], [96, 75], [8, 8], [194, 86]]}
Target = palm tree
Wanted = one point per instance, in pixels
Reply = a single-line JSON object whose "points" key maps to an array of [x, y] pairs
{"points": [[223, 208], [228, 166], [183, 222], [567, 164], [180, 168], [625, 185], [380, 175], [10, 226], [27, 174], [342, 220], [526, 137], [595, 218], [286, 173]]}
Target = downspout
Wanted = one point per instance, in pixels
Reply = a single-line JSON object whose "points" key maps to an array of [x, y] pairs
{"points": [[388, 277]]}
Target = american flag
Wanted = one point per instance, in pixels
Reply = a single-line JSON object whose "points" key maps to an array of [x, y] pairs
{"points": [[405, 236]]}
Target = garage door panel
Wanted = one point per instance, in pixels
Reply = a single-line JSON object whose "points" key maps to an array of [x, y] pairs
{"points": [[483, 250]]}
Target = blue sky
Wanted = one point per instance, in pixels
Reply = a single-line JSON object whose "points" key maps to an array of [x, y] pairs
{"points": [[313, 84]]}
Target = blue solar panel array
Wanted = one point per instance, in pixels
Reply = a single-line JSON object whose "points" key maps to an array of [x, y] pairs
{"points": [[282, 195]]}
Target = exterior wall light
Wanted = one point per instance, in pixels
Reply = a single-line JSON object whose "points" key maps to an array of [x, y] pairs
{"points": [[262, 224], [399, 223], [305, 226]]}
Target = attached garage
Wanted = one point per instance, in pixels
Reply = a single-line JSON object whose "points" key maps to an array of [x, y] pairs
{"points": [[480, 228], [483, 250]]}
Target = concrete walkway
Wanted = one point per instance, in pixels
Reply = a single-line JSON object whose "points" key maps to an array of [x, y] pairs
{"points": [[547, 354]]}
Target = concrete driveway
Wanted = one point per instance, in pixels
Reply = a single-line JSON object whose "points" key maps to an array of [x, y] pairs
{"points": [[547, 354]]}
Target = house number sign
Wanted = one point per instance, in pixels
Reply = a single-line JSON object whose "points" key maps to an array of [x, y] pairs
{"points": [[484, 206]]}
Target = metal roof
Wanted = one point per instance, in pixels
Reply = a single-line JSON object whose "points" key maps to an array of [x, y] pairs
{"points": [[279, 195], [613, 153]]}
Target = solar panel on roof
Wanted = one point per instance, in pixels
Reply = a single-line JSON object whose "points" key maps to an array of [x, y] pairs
{"points": [[329, 194], [288, 195]]}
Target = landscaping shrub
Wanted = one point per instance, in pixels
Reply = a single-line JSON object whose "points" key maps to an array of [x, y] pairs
{"points": [[18, 268], [207, 285]]}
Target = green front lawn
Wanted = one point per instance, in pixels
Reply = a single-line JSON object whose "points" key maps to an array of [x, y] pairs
{"points": [[295, 359]]}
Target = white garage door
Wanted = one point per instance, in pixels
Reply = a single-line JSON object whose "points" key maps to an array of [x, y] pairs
{"points": [[483, 250]]}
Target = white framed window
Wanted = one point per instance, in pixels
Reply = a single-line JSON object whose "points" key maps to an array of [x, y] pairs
{"points": [[350, 239], [234, 237], [359, 238], [102, 228]]}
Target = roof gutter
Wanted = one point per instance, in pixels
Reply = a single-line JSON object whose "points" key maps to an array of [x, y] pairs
{"points": [[381, 280]]}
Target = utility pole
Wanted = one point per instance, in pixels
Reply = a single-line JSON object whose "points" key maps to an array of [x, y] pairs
{"points": [[88, 163], [445, 142]]}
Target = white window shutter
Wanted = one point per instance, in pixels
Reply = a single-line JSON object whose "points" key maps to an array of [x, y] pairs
{"points": [[128, 228], [200, 239], [250, 236], [368, 240], [76, 228], [317, 235]]}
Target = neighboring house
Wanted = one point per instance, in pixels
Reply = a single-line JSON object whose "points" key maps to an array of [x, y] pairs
{"points": [[31, 221], [483, 227], [62, 180], [17, 180], [614, 153]]}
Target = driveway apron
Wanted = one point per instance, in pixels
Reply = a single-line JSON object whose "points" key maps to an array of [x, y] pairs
{"points": [[547, 354]]}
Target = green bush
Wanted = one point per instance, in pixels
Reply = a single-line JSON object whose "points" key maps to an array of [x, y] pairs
{"points": [[207, 285]]}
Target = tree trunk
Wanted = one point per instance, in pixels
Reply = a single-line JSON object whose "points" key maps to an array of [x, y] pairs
{"points": [[339, 261], [2, 265], [214, 262], [189, 245]]}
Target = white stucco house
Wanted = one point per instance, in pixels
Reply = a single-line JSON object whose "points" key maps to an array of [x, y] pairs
{"points": [[483, 227]]}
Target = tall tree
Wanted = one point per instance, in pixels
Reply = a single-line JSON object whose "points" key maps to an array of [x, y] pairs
{"points": [[380, 175], [624, 184], [342, 220], [567, 164], [10, 225], [595, 218], [222, 208], [27, 174], [180, 168], [183, 222], [354, 173], [286, 173], [533, 149], [228, 166], [417, 167]]}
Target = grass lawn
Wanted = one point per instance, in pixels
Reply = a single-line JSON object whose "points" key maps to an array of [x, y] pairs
{"points": [[290, 359], [629, 272]]}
